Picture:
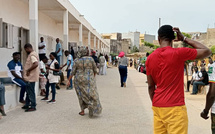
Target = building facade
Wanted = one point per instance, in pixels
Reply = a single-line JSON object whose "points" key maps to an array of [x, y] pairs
{"points": [[134, 37], [25, 21]]}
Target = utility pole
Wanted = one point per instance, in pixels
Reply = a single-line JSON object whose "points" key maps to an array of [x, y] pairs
{"points": [[159, 22]]}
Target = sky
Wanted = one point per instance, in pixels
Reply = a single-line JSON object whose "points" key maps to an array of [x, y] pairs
{"points": [[109, 16]]}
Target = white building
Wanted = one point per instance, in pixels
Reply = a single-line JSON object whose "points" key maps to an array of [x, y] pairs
{"points": [[25, 21], [134, 36]]}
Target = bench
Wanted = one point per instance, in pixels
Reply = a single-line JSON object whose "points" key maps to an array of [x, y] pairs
{"points": [[12, 92], [6, 81], [203, 89]]}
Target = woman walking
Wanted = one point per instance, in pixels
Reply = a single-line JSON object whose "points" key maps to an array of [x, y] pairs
{"points": [[123, 63], [84, 71], [52, 77]]}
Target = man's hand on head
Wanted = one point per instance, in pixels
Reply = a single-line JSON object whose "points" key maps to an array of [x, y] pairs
{"points": [[180, 36]]}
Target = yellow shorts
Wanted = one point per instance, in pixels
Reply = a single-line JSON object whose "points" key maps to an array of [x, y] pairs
{"points": [[170, 120]]}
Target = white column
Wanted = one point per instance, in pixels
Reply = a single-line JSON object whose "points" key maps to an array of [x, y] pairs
{"points": [[105, 49], [65, 30], [80, 35], [33, 18], [98, 47], [102, 47], [33, 26], [89, 40], [94, 43]]}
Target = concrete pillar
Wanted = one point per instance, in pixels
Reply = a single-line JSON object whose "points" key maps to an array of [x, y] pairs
{"points": [[102, 47], [105, 49], [65, 30], [89, 40], [80, 35], [98, 46], [94, 43], [33, 19], [33, 29]]}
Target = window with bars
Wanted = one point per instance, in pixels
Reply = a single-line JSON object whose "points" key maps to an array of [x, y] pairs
{"points": [[6, 35]]}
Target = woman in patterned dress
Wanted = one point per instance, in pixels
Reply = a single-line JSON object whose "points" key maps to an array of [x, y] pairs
{"points": [[84, 72]]}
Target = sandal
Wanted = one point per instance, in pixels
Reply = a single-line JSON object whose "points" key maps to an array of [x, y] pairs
{"points": [[3, 112], [81, 113]]}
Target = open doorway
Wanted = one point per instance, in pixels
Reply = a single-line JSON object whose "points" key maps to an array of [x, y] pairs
{"points": [[23, 39]]}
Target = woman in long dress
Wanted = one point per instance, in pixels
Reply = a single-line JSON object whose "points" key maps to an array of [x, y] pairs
{"points": [[84, 72]]}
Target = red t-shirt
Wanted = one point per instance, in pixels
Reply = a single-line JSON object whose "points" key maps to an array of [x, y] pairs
{"points": [[166, 66]]}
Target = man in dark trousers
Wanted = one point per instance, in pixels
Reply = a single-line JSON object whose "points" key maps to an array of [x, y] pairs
{"points": [[165, 75], [31, 76], [95, 57], [15, 72], [72, 52]]}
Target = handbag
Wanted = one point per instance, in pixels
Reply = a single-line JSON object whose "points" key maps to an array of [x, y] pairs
{"points": [[59, 73], [56, 73]]}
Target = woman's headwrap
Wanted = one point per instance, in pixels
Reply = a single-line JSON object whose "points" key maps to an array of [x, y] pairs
{"points": [[82, 52], [121, 54]]}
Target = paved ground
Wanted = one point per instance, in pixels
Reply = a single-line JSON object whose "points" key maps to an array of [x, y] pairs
{"points": [[125, 111]]}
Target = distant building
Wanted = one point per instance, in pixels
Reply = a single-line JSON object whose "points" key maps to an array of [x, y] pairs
{"points": [[146, 38], [126, 41], [126, 45], [149, 38], [117, 44], [134, 37], [141, 40]]}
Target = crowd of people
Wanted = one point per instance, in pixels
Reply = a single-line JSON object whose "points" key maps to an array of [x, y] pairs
{"points": [[164, 69], [48, 72]]}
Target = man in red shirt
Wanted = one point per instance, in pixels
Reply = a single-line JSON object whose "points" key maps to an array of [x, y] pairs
{"points": [[165, 74]]}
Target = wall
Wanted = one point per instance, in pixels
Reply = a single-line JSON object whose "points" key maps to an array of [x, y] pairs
{"points": [[6, 54], [125, 43], [19, 17], [149, 38], [134, 36], [145, 49], [210, 37]]}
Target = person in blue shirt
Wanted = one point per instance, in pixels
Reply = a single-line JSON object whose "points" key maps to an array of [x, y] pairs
{"points": [[69, 65], [58, 51], [15, 71]]}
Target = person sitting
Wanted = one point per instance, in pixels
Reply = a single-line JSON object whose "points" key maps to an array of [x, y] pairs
{"points": [[15, 71], [195, 77], [2, 100], [202, 81]]}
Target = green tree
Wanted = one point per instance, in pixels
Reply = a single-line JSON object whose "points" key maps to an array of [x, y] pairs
{"points": [[134, 49], [151, 45], [188, 36], [213, 49]]}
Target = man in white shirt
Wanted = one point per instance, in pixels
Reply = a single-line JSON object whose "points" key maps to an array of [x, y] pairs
{"points": [[43, 79], [210, 103], [196, 76], [42, 48], [101, 64], [69, 65]]}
